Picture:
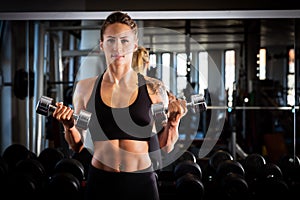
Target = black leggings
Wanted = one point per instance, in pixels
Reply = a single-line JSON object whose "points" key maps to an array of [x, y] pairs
{"points": [[121, 185]]}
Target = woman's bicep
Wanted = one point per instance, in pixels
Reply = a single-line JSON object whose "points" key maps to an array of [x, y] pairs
{"points": [[78, 102], [82, 93]]}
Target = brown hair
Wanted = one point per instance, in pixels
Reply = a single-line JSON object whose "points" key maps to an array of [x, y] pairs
{"points": [[118, 17], [140, 59]]}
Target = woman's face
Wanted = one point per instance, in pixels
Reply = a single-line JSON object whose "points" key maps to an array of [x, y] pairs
{"points": [[119, 43]]}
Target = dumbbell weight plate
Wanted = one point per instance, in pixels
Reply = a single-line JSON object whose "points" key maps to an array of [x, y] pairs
{"points": [[159, 112], [198, 103], [44, 106], [234, 186], [218, 157], [185, 167], [229, 166], [83, 119], [189, 186]]}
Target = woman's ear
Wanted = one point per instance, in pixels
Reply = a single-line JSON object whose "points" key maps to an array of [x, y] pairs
{"points": [[135, 47], [101, 45]]}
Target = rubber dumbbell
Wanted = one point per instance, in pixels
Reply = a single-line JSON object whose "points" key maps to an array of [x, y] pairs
{"points": [[230, 180], [188, 183], [45, 107], [197, 104]]}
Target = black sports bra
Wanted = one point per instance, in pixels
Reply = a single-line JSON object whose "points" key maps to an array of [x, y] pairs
{"points": [[132, 123]]}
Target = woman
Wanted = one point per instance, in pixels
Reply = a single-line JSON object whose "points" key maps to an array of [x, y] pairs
{"points": [[120, 101]]}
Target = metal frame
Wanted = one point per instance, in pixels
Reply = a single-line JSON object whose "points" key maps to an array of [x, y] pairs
{"points": [[143, 15]]}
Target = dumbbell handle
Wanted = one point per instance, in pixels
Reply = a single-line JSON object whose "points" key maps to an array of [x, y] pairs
{"points": [[52, 108], [198, 103], [45, 107]]}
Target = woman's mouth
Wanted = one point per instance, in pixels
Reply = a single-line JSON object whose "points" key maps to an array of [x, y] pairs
{"points": [[117, 56]]}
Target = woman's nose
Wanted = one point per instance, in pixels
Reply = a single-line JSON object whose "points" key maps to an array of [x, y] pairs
{"points": [[118, 46]]}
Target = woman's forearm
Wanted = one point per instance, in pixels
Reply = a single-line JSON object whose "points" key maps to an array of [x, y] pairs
{"points": [[73, 138], [168, 136]]}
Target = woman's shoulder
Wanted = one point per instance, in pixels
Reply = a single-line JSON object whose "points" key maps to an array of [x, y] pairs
{"points": [[84, 85], [153, 81], [156, 88], [86, 82], [83, 90]]}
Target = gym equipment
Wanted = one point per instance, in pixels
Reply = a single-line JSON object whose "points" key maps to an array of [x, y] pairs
{"points": [[68, 180], [4, 176], [230, 180], [253, 164], [271, 170], [22, 84], [72, 166], [187, 155], [289, 164], [211, 165], [65, 184], [27, 180], [3, 168], [22, 80], [188, 184], [271, 187], [187, 166], [23, 186], [45, 107], [218, 157], [33, 168], [49, 157], [229, 166], [234, 187], [15, 153], [197, 104]]}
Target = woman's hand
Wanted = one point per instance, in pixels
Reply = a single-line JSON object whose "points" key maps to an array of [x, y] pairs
{"points": [[64, 114], [176, 109]]}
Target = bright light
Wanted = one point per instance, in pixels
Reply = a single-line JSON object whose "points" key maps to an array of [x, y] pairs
{"points": [[262, 64]]}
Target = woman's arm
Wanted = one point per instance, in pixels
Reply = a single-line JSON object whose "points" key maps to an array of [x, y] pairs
{"points": [[168, 133], [168, 136], [74, 136]]}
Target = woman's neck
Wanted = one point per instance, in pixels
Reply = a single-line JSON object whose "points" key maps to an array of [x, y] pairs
{"points": [[118, 76]]}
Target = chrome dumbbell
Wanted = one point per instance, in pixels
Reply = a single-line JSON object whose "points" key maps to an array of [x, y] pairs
{"points": [[45, 107], [197, 105]]}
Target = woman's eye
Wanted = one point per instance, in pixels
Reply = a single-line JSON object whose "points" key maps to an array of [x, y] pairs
{"points": [[111, 41], [124, 41]]}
